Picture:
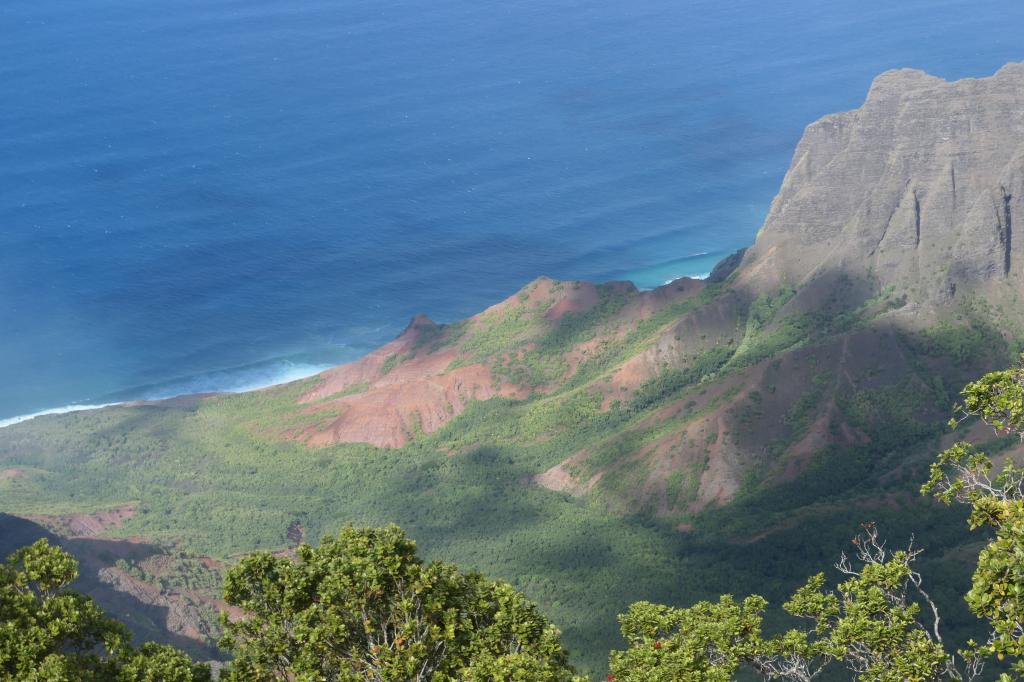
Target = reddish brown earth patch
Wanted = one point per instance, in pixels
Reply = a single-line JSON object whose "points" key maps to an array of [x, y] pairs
{"points": [[578, 300], [424, 378], [537, 292], [404, 387], [391, 412], [559, 479], [700, 445], [679, 341], [369, 368], [87, 524], [188, 614], [183, 617], [11, 474]]}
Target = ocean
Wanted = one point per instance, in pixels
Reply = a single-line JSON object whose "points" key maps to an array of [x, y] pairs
{"points": [[210, 195]]}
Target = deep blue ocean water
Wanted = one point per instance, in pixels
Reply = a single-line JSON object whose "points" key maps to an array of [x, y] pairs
{"points": [[217, 194]]}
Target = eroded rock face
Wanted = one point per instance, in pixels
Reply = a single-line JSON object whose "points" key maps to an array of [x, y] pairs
{"points": [[431, 373], [177, 614], [917, 192], [920, 188], [889, 217]]}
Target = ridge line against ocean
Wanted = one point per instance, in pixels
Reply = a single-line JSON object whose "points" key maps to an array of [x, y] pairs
{"points": [[206, 195]]}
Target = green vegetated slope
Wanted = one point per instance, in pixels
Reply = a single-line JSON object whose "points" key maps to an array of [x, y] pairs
{"points": [[215, 477], [596, 445]]}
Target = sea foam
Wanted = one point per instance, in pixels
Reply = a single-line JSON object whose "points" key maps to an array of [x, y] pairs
{"points": [[56, 410], [237, 380]]}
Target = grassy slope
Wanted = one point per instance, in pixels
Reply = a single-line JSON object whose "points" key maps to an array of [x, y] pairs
{"points": [[213, 478]]}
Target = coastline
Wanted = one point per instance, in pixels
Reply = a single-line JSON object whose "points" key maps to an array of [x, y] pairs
{"points": [[67, 409], [167, 392], [197, 387]]}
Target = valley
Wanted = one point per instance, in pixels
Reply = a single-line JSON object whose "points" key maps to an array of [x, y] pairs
{"points": [[595, 444]]}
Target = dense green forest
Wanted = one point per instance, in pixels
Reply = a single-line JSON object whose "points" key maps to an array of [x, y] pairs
{"points": [[213, 477], [364, 606]]}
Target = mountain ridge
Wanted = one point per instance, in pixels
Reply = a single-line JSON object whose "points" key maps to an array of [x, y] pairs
{"points": [[596, 444], [412, 386], [922, 153]]}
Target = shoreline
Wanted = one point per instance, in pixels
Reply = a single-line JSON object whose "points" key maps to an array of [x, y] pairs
{"points": [[287, 377], [158, 397], [67, 409]]}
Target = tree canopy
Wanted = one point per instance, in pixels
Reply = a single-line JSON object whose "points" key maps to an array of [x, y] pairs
{"points": [[879, 623], [49, 633], [363, 606]]}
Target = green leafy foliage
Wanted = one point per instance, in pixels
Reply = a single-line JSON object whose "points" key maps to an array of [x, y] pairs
{"points": [[216, 478], [879, 622], [669, 383], [49, 633], [363, 606], [707, 641], [963, 473], [869, 624]]}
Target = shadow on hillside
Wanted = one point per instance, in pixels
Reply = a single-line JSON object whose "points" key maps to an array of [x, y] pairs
{"points": [[148, 622]]}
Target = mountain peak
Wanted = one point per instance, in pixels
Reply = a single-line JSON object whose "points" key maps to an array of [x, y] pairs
{"points": [[916, 189], [898, 82]]}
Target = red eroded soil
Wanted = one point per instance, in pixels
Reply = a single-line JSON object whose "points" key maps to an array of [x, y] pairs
{"points": [[86, 524], [559, 479], [11, 474], [424, 378], [418, 397], [169, 613]]}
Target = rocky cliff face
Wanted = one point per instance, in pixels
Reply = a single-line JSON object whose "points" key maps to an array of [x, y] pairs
{"points": [[921, 188], [529, 344], [913, 196], [804, 386]]}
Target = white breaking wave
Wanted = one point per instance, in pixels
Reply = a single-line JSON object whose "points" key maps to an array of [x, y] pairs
{"points": [[225, 381], [699, 275], [56, 410], [236, 381]]}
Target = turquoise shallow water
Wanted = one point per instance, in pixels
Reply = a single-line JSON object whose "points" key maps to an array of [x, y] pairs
{"points": [[218, 194]]}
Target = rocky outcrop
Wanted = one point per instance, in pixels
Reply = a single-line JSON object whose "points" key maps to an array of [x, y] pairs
{"points": [[431, 373], [894, 212], [186, 618], [917, 189], [915, 193]]}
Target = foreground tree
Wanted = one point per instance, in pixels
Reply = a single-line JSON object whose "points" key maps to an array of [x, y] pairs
{"points": [[50, 633], [879, 622], [964, 474], [870, 623], [363, 606], [708, 641]]}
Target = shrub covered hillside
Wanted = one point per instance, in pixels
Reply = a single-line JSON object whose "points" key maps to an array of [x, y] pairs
{"points": [[202, 482], [594, 445], [363, 606], [722, 476]]}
